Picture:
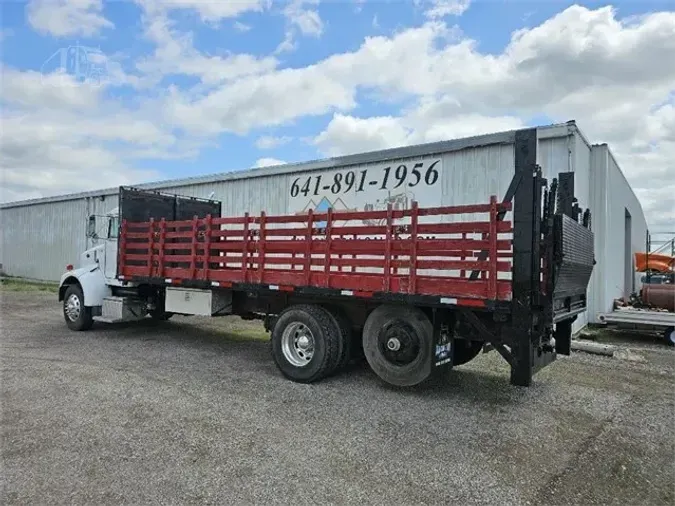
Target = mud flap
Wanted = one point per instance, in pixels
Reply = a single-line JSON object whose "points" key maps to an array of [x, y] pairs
{"points": [[443, 348]]}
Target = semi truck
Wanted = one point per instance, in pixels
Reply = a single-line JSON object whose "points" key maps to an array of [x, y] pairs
{"points": [[415, 289]]}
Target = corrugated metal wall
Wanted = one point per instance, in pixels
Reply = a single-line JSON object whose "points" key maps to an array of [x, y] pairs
{"points": [[40, 239]]}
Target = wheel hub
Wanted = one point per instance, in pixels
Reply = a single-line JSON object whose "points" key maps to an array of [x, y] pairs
{"points": [[297, 344], [73, 307], [399, 343], [303, 342], [394, 344]]}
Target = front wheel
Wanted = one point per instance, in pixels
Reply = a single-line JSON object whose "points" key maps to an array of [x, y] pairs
{"points": [[77, 315]]}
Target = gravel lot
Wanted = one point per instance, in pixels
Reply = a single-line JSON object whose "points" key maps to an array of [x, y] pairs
{"points": [[194, 411]]}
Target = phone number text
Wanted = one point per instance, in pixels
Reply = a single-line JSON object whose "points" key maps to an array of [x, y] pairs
{"points": [[388, 178]]}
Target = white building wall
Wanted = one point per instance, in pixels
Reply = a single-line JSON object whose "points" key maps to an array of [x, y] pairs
{"points": [[612, 197]]}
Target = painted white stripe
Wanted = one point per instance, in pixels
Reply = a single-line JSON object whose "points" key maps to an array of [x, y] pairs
{"points": [[445, 300], [347, 292], [215, 283], [274, 287], [121, 277], [168, 280]]}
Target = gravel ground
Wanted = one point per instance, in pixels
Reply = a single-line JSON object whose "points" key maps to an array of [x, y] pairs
{"points": [[194, 411]]}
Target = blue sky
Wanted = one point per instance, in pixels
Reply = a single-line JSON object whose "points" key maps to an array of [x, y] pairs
{"points": [[190, 87]]}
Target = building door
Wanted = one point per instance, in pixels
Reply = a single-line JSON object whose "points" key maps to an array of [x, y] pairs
{"points": [[629, 270]]}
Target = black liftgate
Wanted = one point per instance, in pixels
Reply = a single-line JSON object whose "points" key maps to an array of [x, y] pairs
{"points": [[552, 264]]}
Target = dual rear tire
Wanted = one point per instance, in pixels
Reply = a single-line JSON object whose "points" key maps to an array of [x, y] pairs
{"points": [[310, 342], [307, 343]]}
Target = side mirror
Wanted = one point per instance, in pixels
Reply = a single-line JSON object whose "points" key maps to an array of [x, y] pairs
{"points": [[91, 226]]}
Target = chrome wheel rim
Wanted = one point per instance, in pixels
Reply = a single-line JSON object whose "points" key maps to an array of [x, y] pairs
{"points": [[297, 344], [671, 336], [73, 307]]}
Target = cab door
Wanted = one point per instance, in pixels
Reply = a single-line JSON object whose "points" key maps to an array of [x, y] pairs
{"points": [[111, 245]]}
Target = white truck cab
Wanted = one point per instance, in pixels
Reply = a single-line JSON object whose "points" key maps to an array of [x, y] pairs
{"points": [[85, 287]]}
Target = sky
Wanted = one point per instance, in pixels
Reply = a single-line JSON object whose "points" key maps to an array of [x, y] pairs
{"points": [[96, 94]]}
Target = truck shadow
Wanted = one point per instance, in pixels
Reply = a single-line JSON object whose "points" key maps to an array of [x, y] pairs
{"points": [[478, 387], [461, 384]]}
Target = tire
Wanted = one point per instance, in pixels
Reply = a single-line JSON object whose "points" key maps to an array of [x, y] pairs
{"points": [[77, 315], [296, 359], [465, 351], [669, 336], [410, 329], [345, 345]]}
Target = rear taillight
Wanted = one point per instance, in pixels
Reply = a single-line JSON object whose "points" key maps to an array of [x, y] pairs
{"points": [[69, 267]]}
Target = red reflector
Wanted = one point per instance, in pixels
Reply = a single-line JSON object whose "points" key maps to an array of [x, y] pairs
{"points": [[69, 267]]}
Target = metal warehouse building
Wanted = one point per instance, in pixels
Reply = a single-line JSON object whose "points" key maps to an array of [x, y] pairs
{"points": [[41, 236]]}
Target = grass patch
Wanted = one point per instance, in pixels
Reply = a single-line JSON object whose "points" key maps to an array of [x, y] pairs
{"points": [[20, 285]]}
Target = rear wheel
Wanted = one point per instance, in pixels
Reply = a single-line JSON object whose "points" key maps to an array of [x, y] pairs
{"points": [[306, 343], [397, 342], [77, 315], [345, 341]]}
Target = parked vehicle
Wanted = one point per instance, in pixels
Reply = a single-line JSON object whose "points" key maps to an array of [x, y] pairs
{"points": [[419, 292]]}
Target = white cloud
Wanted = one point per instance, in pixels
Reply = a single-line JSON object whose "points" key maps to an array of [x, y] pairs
{"points": [[347, 134], [208, 10], [300, 19], [56, 90], [59, 136], [175, 54], [52, 156], [271, 142], [65, 18], [442, 8], [307, 21], [270, 99], [267, 162]]}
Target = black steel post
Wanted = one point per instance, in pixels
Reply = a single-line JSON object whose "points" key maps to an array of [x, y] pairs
{"points": [[526, 258], [566, 200], [563, 336]]}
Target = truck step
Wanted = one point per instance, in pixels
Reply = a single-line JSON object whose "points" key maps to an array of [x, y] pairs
{"points": [[102, 319]]}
